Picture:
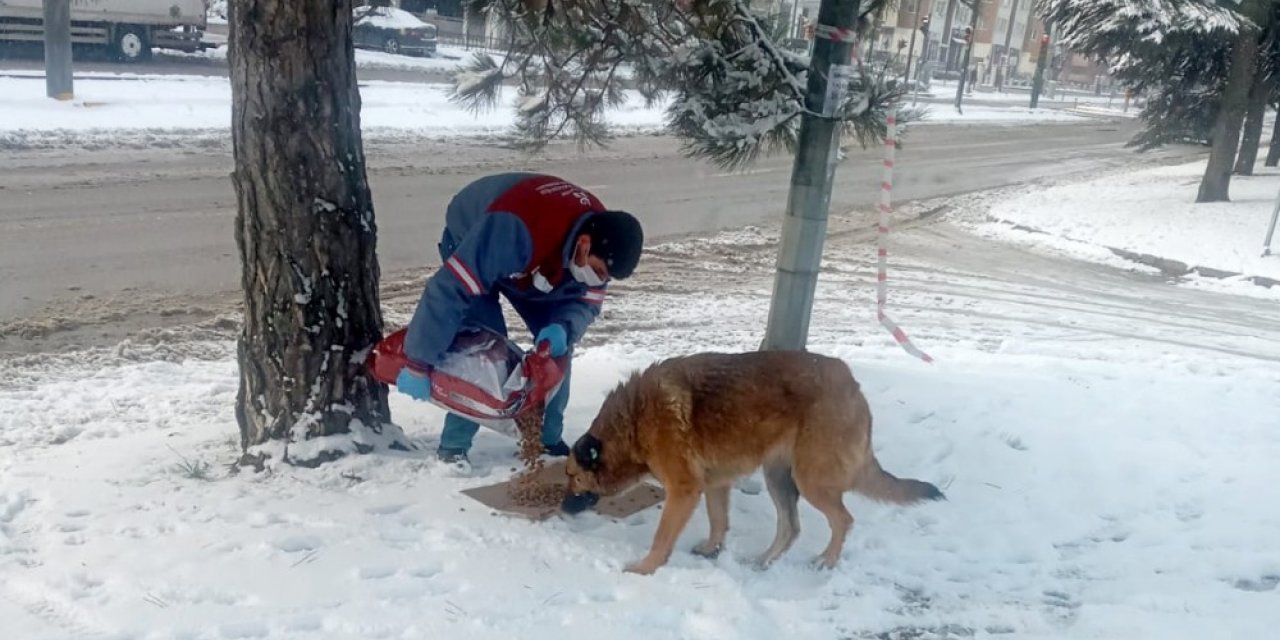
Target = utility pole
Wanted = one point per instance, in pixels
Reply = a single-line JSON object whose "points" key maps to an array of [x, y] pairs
{"points": [[809, 201], [926, 65], [1037, 83], [875, 35], [1271, 229], [910, 51], [945, 42], [968, 52], [911, 48], [57, 49], [1008, 40]]}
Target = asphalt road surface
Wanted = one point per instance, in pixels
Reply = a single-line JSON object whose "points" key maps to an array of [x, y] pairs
{"points": [[77, 224]]}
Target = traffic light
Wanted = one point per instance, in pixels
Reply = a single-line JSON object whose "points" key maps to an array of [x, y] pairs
{"points": [[924, 24], [968, 35], [1044, 38]]}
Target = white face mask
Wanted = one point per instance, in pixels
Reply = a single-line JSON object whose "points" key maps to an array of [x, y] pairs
{"points": [[586, 275]]}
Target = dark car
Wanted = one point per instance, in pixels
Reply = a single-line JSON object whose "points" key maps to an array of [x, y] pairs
{"points": [[392, 30]]}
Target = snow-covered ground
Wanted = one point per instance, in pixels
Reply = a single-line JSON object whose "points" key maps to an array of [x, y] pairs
{"points": [[447, 58], [947, 89], [1107, 445], [1011, 115], [217, 12], [1152, 211], [1103, 110], [126, 106], [195, 103]]}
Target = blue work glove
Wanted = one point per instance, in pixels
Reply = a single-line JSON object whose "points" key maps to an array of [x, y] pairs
{"points": [[556, 339], [413, 385]]}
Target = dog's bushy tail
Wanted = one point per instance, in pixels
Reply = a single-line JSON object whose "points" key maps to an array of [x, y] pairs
{"points": [[878, 484]]}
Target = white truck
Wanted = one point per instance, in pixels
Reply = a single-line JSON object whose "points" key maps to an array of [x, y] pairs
{"points": [[128, 28]]}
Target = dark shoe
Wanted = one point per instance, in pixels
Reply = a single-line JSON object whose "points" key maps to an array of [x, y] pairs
{"points": [[557, 450], [452, 456], [456, 462]]}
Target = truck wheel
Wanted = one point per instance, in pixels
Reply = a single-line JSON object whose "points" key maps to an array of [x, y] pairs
{"points": [[130, 44]]}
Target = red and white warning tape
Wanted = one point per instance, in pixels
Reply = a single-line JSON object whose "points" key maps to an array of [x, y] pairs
{"points": [[828, 32], [882, 252]]}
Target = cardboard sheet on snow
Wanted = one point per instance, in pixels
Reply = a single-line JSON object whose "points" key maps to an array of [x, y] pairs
{"points": [[634, 500]]}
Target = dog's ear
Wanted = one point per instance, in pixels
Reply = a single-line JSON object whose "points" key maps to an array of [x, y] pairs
{"points": [[588, 451]]}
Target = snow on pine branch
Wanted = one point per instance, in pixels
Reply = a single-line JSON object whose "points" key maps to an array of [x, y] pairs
{"points": [[732, 91], [1177, 51], [1095, 26]]}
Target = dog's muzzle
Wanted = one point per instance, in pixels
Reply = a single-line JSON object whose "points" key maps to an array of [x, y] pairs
{"points": [[579, 502]]}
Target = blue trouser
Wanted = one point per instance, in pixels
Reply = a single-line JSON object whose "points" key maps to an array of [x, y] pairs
{"points": [[486, 311]]}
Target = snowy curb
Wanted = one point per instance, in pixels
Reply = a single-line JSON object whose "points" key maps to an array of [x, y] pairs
{"points": [[979, 214], [1139, 216], [1167, 266], [1103, 112]]}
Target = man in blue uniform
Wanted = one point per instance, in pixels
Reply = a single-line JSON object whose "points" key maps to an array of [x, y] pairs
{"points": [[546, 245]]}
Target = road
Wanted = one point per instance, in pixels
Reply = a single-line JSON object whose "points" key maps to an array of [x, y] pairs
{"points": [[110, 224]]}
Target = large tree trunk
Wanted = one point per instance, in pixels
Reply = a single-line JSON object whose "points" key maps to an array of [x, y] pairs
{"points": [[1259, 97], [1252, 139], [1216, 184], [1273, 151], [305, 230]]}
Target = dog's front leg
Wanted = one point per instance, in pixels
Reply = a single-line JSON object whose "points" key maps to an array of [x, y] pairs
{"points": [[718, 515], [676, 511]]}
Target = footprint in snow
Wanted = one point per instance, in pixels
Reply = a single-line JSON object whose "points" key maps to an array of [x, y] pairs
{"points": [[1265, 583], [295, 544], [424, 573], [385, 509], [240, 630], [304, 623], [375, 573]]}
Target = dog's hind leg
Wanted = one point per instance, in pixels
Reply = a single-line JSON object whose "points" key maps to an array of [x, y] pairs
{"points": [[830, 501], [718, 515], [786, 497], [676, 510]]}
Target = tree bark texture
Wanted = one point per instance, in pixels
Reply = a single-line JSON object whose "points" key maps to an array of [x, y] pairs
{"points": [[1253, 122], [305, 226], [1216, 184]]}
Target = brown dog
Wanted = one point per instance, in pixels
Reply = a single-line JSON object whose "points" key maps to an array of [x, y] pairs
{"points": [[699, 422]]}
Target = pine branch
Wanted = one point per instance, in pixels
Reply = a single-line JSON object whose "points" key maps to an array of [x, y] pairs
{"points": [[478, 85], [733, 93], [1176, 51], [865, 111], [763, 39]]}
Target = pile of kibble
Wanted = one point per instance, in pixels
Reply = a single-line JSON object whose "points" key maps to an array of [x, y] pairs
{"points": [[525, 490]]}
